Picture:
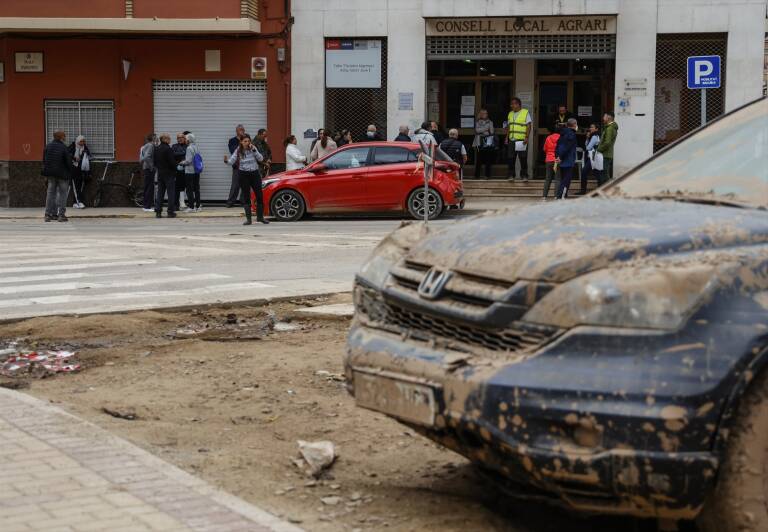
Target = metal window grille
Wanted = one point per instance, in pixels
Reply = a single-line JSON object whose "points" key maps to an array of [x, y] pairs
{"points": [[356, 109], [531, 46], [677, 108], [94, 119], [209, 85], [249, 8]]}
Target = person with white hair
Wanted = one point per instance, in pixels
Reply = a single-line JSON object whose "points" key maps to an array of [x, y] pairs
{"points": [[372, 134], [403, 136], [192, 176], [81, 159], [454, 148]]}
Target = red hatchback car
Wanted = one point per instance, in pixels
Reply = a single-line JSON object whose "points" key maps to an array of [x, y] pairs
{"points": [[364, 177]]}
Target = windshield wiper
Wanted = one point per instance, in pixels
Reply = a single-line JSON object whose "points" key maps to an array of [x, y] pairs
{"points": [[698, 200]]}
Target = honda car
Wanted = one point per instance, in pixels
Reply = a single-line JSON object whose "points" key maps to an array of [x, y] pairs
{"points": [[608, 353], [366, 177]]}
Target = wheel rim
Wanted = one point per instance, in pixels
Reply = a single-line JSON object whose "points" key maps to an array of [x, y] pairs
{"points": [[286, 205], [418, 203]]}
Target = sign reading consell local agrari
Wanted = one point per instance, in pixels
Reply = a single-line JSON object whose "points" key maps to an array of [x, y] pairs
{"points": [[593, 24]]}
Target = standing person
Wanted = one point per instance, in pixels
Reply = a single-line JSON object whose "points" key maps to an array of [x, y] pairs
{"points": [[610, 132], [191, 176], [402, 135], [484, 144], [562, 116], [294, 160], [519, 122], [165, 163], [263, 146], [553, 171], [148, 170], [434, 128], [57, 168], [234, 188], [344, 138], [316, 139], [593, 139], [372, 134], [565, 156], [424, 135], [455, 149], [81, 159], [247, 159], [179, 153], [323, 147]]}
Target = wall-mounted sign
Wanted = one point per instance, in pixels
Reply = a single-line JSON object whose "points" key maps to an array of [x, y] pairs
{"points": [[582, 25], [584, 110], [258, 68], [29, 61], [353, 63], [636, 86], [405, 101]]}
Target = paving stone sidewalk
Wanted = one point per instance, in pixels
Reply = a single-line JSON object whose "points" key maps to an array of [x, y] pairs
{"points": [[59, 473]]}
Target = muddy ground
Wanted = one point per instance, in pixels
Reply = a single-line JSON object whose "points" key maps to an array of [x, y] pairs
{"points": [[230, 404]]}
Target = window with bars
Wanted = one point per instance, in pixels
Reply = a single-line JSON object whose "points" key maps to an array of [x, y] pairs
{"points": [[94, 119], [355, 109], [677, 108]]}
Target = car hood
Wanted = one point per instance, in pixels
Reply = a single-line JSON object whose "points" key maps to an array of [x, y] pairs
{"points": [[559, 241]]}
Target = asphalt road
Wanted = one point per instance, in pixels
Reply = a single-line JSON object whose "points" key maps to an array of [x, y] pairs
{"points": [[109, 265]]}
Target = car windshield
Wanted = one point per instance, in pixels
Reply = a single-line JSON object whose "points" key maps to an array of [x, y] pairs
{"points": [[725, 163]]}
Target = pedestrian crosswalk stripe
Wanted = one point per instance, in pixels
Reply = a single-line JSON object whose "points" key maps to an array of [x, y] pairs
{"points": [[45, 259], [84, 275], [86, 285], [153, 295], [86, 266]]}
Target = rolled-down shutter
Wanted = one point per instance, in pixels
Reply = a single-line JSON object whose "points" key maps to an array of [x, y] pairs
{"points": [[210, 110]]}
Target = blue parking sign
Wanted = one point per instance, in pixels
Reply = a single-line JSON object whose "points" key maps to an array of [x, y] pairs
{"points": [[704, 72]]}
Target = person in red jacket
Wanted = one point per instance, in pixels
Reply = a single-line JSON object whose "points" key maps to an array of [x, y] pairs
{"points": [[550, 144]]}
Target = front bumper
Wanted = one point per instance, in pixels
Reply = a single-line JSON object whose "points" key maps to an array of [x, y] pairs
{"points": [[544, 443]]}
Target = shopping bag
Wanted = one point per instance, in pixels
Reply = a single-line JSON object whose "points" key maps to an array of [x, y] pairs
{"points": [[596, 159]]}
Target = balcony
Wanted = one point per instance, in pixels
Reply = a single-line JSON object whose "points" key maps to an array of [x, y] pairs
{"points": [[130, 16]]}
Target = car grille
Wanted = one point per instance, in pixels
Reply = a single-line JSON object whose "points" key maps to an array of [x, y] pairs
{"points": [[394, 317]]}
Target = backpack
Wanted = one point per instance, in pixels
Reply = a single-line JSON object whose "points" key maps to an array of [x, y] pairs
{"points": [[197, 163]]}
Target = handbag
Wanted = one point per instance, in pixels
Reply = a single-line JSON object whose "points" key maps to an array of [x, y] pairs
{"points": [[597, 159], [488, 142]]}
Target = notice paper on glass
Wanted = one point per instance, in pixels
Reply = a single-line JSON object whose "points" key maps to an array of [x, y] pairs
{"points": [[520, 145], [468, 100], [467, 122], [467, 110]]}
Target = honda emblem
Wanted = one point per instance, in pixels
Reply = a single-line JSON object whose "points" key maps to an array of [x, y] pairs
{"points": [[431, 287]]}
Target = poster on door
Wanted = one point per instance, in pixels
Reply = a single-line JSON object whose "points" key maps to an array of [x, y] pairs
{"points": [[353, 63], [666, 123]]}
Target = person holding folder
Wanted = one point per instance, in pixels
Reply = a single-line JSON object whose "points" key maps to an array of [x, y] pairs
{"points": [[519, 124]]}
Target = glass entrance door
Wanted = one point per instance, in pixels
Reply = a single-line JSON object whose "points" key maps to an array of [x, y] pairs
{"points": [[551, 95]]}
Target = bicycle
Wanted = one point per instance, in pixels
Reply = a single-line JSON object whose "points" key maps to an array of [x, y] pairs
{"points": [[133, 194]]}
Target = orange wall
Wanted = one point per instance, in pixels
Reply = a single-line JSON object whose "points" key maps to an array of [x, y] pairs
{"points": [[4, 105], [186, 8], [99, 76], [59, 8]]}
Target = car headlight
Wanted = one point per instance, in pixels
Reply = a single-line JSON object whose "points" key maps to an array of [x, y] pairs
{"points": [[644, 297], [267, 182], [390, 251]]}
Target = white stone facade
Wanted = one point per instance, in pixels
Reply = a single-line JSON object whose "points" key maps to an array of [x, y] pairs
{"points": [[402, 22]]}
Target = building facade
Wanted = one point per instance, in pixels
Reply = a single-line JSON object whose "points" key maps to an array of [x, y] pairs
{"points": [[116, 70], [397, 63]]}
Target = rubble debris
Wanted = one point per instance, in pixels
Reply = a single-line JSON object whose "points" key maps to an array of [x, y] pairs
{"points": [[331, 501], [39, 364], [129, 415], [318, 455]]}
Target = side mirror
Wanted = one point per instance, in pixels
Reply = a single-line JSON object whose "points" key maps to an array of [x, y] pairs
{"points": [[319, 168]]}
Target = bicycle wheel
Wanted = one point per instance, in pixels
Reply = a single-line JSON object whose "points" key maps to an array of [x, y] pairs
{"points": [[135, 196], [97, 198]]}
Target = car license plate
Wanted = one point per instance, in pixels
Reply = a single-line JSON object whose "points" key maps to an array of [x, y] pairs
{"points": [[398, 398]]}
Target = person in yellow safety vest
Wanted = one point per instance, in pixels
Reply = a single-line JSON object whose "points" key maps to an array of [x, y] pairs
{"points": [[519, 124]]}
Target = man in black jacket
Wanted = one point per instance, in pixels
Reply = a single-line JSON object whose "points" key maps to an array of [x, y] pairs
{"points": [[165, 163], [234, 188], [57, 167], [454, 148]]}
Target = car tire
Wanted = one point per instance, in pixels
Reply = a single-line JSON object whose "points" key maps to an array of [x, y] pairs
{"points": [[287, 205], [416, 204], [739, 501]]}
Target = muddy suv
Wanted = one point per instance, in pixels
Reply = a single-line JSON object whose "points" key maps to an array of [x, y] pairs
{"points": [[607, 353]]}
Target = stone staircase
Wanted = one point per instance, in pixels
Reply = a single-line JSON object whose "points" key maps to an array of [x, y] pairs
{"points": [[503, 189]]}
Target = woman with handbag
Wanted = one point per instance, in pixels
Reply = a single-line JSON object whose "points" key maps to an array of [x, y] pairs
{"points": [[484, 144], [81, 159]]}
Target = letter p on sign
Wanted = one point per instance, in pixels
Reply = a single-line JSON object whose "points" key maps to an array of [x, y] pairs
{"points": [[704, 72]]}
